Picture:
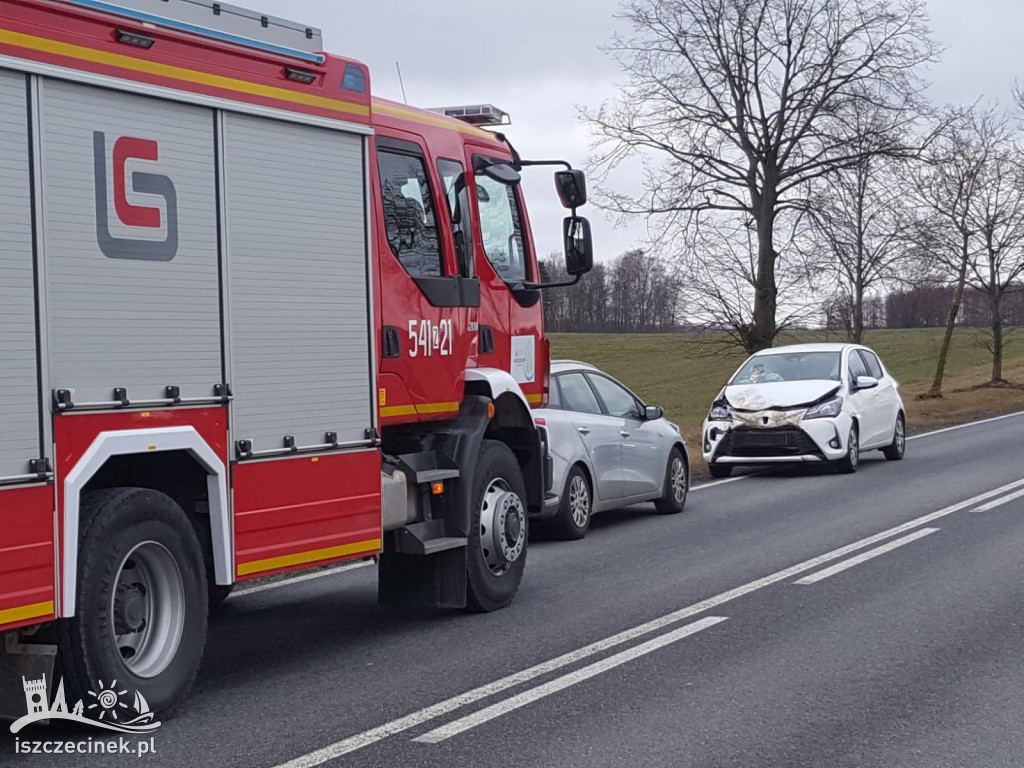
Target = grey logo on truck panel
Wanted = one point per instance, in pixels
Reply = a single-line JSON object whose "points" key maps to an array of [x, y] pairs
{"points": [[128, 148]]}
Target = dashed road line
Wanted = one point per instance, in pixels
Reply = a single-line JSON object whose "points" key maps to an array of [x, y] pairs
{"points": [[814, 578]]}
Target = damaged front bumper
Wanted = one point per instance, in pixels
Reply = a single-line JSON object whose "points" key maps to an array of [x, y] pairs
{"points": [[775, 436]]}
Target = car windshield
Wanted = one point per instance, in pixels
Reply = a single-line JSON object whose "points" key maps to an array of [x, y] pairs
{"points": [[790, 366]]}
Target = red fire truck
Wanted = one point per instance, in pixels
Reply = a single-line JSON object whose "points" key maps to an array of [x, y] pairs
{"points": [[252, 320]]}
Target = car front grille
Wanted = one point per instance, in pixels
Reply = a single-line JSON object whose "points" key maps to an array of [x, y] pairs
{"points": [[753, 443]]}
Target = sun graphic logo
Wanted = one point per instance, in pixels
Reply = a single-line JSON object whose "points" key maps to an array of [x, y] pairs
{"points": [[108, 701], [106, 710]]}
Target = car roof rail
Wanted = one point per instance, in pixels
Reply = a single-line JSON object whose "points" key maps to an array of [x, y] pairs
{"points": [[574, 362]]}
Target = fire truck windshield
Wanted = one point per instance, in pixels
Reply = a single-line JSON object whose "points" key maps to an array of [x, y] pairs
{"points": [[502, 230]]}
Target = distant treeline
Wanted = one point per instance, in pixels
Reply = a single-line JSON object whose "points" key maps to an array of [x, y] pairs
{"points": [[927, 307], [635, 293]]}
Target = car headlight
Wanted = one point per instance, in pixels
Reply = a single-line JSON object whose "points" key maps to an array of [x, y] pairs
{"points": [[719, 412], [674, 426], [827, 410]]}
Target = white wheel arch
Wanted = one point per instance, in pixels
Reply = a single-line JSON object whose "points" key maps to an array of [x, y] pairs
{"points": [[138, 442], [500, 382]]}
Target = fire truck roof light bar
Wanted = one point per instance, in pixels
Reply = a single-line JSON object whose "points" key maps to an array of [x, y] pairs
{"points": [[479, 115], [195, 29]]}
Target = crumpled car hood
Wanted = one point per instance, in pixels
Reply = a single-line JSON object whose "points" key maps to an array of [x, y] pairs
{"points": [[779, 394]]}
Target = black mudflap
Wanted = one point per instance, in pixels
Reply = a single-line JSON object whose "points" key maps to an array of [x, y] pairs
{"points": [[437, 581]]}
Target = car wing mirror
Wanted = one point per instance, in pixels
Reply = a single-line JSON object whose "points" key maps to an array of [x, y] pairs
{"points": [[865, 382], [653, 412]]}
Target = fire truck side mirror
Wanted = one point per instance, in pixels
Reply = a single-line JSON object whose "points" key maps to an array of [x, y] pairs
{"points": [[503, 173], [579, 247], [572, 188]]}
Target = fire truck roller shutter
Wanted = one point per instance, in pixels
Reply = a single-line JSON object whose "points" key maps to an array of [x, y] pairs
{"points": [[130, 246], [19, 396], [297, 283]]}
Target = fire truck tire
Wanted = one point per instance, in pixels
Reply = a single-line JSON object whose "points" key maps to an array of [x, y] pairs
{"points": [[142, 600], [498, 529]]}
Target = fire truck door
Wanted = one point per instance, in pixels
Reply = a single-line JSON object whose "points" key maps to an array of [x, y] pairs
{"points": [[428, 302]]}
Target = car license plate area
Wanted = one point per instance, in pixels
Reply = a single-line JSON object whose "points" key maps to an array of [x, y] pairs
{"points": [[763, 439]]}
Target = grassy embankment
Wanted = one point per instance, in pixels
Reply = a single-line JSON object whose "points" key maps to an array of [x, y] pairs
{"points": [[679, 373]]}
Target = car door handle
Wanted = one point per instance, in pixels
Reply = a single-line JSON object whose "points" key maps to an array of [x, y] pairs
{"points": [[583, 430], [624, 433]]}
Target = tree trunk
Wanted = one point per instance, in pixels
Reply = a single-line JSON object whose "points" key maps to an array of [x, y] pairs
{"points": [[858, 310], [997, 335], [762, 331], [858, 283], [958, 297]]}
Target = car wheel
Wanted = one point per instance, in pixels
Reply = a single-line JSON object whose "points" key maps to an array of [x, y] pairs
{"points": [[849, 463], [677, 485], [575, 507], [720, 470], [895, 450]]}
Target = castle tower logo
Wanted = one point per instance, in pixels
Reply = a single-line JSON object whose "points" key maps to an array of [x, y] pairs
{"points": [[103, 708]]}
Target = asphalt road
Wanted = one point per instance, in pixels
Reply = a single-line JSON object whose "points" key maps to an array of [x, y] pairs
{"points": [[796, 618]]}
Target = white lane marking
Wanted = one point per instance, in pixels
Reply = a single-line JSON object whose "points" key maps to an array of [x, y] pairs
{"points": [[296, 579], [716, 483], [372, 736], [999, 502], [814, 578], [702, 486], [968, 424], [565, 681]]}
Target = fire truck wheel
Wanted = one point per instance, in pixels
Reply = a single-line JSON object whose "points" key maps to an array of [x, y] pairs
{"points": [[497, 537], [142, 602]]}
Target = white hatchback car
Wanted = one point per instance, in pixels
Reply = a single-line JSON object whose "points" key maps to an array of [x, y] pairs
{"points": [[805, 403], [608, 449]]}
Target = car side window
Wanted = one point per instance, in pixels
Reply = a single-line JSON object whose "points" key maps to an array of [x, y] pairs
{"points": [[577, 394], [617, 399], [554, 394], [409, 212], [872, 363], [857, 367]]}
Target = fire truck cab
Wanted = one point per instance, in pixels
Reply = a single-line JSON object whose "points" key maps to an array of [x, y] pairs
{"points": [[253, 320]]}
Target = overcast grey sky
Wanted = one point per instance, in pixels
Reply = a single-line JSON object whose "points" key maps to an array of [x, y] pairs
{"points": [[539, 59]]}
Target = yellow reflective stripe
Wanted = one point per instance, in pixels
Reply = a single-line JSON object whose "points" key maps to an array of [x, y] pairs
{"points": [[437, 407], [284, 561], [440, 121], [423, 408], [177, 73], [36, 610], [534, 399], [398, 410]]}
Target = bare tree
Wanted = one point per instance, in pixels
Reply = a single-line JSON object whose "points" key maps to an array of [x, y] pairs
{"points": [[946, 186], [736, 105], [862, 220], [996, 213], [719, 261]]}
